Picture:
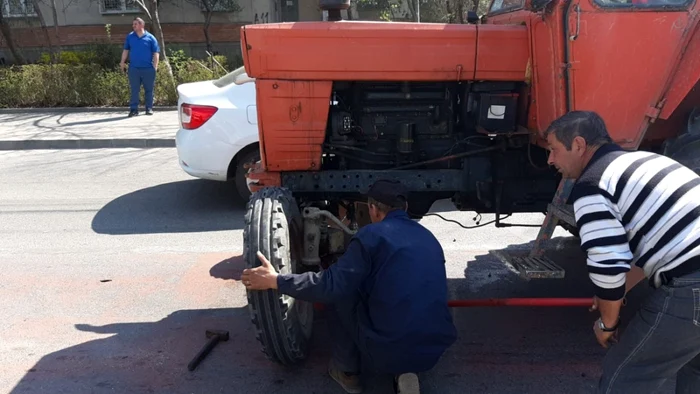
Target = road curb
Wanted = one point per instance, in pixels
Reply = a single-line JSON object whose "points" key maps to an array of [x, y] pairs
{"points": [[77, 109], [120, 143]]}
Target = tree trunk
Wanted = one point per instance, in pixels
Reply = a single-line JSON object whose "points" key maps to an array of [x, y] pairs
{"points": [[411, 5], [45, 30], [150, 7], [352, 11], [159, 34], [54, 14], [460, 11], [9, 39], [450, 13], [207, 23]]}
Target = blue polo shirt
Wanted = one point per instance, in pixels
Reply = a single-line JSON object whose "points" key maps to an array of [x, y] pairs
{"points": [[141, 49]]}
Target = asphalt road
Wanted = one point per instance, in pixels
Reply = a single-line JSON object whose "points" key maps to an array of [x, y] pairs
{"points": [[114, 262]]}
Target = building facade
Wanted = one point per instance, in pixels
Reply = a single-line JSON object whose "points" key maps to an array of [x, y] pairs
{"points": [[81, 22]]}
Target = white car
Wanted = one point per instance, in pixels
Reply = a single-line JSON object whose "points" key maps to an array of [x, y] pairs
{"points": [[218, 131]]}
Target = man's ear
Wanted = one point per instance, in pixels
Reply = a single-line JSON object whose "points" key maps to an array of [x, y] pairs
{"points": [[579, 145]]}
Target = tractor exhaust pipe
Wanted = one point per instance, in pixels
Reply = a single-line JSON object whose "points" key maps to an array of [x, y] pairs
{"points": [[334, 7]]}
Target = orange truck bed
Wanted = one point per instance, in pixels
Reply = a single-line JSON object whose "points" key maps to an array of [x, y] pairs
{"points": [[383, 51]]}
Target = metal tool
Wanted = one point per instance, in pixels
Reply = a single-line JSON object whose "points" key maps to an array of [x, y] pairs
{"points": [[214, 337]]}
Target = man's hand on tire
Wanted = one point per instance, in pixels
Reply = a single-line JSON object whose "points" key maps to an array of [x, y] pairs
{"points": [[260, 278]]}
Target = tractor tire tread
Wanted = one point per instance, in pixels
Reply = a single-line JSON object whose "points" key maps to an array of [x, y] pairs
{"points": [[268, 214]]}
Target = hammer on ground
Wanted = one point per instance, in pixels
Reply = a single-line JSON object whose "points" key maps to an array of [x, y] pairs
{"points": [[214, 337]]}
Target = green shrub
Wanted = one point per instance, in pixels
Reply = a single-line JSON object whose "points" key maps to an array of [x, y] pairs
{"points": [[69, 57], [88, 85], [105, 54]]}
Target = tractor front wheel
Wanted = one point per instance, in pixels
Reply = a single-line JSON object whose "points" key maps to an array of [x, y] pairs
{"points": [[274, 226]]}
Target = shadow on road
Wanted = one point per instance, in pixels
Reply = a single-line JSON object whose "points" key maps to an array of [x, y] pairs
{"points": [[94, 121], [152, 357], [528, 347], [178, 207], [229, 269], [499, 350]]}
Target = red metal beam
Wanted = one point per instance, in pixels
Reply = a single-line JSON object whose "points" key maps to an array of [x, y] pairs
{"points": [[548, 302], [551, 302]]}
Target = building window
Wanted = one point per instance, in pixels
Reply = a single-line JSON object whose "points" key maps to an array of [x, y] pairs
{"points": [[118, 6], [17, 8]]}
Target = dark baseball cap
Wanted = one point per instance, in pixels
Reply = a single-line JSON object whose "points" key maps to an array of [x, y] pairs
{"points": [[390, 192]]}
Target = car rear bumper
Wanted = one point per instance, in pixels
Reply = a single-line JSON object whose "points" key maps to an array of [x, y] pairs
{"points": [[203, 156]]}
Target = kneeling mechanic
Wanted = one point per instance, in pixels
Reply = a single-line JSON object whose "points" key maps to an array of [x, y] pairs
{"points": [[387, 295]]}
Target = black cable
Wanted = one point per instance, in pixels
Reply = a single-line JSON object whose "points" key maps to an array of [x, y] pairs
{"points": [[463, 226]]}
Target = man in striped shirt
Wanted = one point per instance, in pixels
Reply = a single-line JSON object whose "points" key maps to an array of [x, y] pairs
{"points": [[638, 215]]}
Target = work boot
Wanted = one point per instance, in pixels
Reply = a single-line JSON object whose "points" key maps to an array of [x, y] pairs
{"points": [[349, 382], [407, 383], [133, 112]]}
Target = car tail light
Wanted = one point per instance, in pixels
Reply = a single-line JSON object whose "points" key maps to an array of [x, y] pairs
{"points": [[193, 116]]}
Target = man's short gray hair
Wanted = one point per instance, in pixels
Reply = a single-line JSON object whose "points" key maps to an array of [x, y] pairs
{"points": [[586, 124], [137, 19]]}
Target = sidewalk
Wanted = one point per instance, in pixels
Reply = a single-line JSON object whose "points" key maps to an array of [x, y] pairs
{"points": [[86, 128]]}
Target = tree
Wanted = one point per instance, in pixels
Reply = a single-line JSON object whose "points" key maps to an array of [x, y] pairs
{"points": [[7, 35], [211, 6], [441, 11], [437, 11], [45, 29], [150, 7], [387, 9], [54, 15]]}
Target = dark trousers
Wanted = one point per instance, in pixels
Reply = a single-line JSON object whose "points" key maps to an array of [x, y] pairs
{"points": [[661, 342], [348, 354], [137, 78]]}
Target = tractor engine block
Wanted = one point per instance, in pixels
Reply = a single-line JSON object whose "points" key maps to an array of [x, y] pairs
{"points": [[384, 125]]}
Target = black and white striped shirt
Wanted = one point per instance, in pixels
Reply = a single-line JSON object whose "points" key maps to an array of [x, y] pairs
{"points": [[636, 208]]}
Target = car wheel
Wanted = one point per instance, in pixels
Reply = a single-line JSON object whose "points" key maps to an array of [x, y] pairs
{"points": [[240, 179]]}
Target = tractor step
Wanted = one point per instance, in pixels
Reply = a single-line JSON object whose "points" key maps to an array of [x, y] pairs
{"points": [[565, 213], [538, 268]]}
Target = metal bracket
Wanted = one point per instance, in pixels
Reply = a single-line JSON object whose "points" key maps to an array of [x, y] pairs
{"points": [[552, 219], [313, 220], [654, 112], [565, 213]]}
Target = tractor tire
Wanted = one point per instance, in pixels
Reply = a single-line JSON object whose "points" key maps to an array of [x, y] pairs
{"points": [[274, 226], [685, 148], [689, 155]]}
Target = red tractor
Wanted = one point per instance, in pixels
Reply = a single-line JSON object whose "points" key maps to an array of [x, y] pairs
{"points": [[453, 111]]}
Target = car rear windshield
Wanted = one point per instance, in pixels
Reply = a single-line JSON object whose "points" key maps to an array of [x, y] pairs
{"points": [[229, 78]]}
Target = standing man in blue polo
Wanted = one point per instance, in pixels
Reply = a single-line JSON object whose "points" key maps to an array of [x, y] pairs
{"points": [[143, 51]]}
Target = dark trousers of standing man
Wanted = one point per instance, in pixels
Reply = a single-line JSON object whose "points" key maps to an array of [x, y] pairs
{"points": [[138, 77], [662, 342]]}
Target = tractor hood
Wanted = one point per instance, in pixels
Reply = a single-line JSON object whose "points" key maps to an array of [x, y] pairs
{"points": [[385, 51]]}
